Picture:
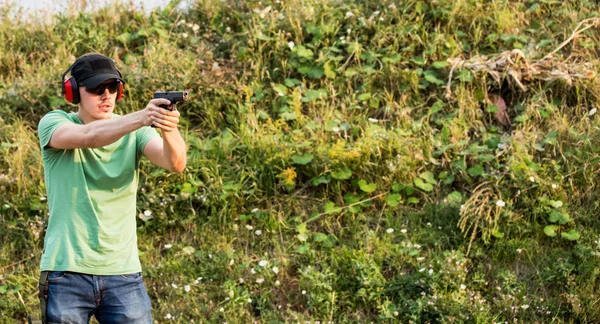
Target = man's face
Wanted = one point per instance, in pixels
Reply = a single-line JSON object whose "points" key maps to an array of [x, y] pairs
{"points": [[99, 103]]}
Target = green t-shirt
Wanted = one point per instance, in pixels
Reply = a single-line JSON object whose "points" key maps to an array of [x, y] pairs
{"points": [[92, 202]]}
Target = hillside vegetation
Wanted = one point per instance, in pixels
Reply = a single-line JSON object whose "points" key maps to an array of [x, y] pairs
{"points": [[354, 161]]}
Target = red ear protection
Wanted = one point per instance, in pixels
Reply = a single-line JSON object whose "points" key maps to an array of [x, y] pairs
{"points": [[70, 90], [120, 91]]}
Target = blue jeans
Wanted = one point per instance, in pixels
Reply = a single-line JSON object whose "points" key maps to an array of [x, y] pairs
{"points": [[74, 297]]}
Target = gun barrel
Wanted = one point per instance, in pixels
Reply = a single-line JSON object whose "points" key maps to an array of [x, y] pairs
{"points": [[173, 96]]}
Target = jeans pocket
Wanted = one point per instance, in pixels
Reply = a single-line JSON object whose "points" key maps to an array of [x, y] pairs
{"points": [[132, 276], [57, 275]]}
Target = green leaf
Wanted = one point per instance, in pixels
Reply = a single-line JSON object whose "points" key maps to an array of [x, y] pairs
{"points": [[428, 176], [316, 72], [465, 76], [454, 197], [302, 159], [393, 200], [329, 71], [412, 200], [418, 60], [280, 89], [431, 78], [301, 228], [419, 183], [312, 95], [320, 237], [290, 83], [342, 174], [366, 187], [551, 138], [303, 52], [557, 216], [396, 187], [302, 249], [439, 64], [555, 203], [331, 208], [550, 230], [364, 96], [321, 180], [492, 109], [188, 188], [544, 43], [124, 38], [571, 235], [476, 170]]}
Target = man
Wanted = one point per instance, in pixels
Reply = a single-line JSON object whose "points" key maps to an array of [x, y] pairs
{"points": [[90, 263]]}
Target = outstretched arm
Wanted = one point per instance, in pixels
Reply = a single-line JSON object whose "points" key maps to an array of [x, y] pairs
{"points": [[170, 152]]}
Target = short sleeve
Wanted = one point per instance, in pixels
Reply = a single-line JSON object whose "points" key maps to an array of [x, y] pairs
{"points": [[143, 136], [49, 123]]}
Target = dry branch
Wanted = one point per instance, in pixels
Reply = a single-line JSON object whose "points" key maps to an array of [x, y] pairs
{"points": [[516, 65]]}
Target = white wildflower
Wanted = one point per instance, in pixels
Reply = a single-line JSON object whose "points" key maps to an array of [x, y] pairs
{"points": [[463, 287], [303, 292], [554, 186], [254, 210], [168, 246], [532, 179], [277, 283], [349, 14], [291, 45], [260, 280], [258, 232], [373, 120], [276, 270], [390, 230], [147, 215], [249, 227], [195, 28], [403, 230], [593, 112], [500, 203], [174, 285], [187, 288], [263, 263]]}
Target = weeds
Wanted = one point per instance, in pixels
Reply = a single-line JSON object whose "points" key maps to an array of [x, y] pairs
{"points": [[419, 161]]}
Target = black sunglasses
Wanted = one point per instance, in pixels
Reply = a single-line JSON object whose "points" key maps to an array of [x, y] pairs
{"points": [[99, 90]]}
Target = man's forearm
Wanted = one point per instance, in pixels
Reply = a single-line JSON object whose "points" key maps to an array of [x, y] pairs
{"points": [[104, 132], [175, 150]]}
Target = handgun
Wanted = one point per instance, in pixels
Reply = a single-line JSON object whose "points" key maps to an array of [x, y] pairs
{"points": [[173, 96]]}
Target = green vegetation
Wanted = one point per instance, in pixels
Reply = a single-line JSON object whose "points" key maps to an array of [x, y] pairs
{"points": [[349, 161]]}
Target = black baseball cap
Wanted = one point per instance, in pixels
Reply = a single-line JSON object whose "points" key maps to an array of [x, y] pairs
{"points": [[92, 69]]}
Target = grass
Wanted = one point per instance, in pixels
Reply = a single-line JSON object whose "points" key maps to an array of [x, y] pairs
{"points": [[332, 175]]}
